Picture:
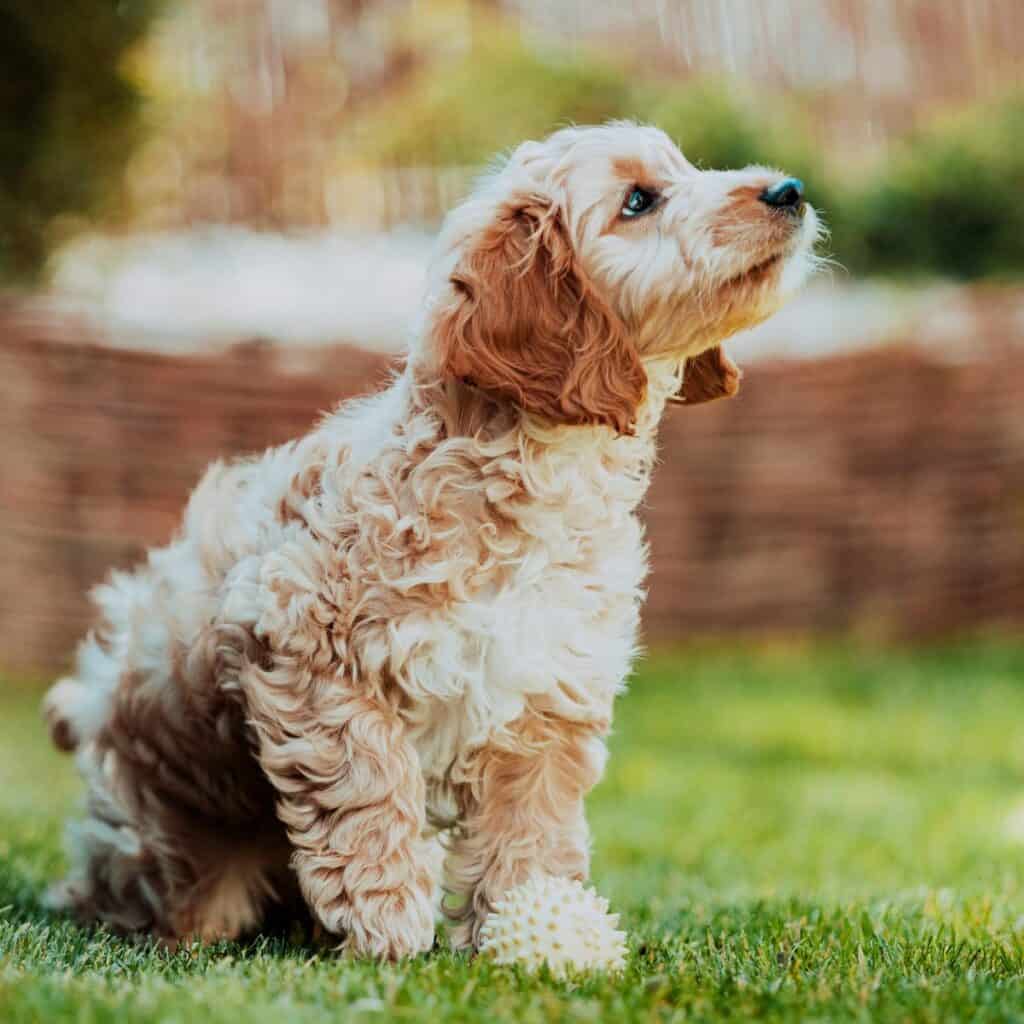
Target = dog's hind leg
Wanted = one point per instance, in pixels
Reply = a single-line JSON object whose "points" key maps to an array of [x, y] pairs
{"points": [[116, 875], [180, 837], [144, 865], [351, 794], [156, 855]]}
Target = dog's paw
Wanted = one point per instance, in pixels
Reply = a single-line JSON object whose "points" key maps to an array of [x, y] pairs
{"points": [[462, 936], [387, 925], [70, 897]]}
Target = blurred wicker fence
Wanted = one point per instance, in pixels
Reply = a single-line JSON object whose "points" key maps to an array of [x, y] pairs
{"points": [[880, 490]]}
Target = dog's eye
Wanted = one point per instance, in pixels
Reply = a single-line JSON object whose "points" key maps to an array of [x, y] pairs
{"points": [[639, 201]]}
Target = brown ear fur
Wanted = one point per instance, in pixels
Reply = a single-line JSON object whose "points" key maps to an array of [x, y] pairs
{"points": [[529, 327], [708, 376]]}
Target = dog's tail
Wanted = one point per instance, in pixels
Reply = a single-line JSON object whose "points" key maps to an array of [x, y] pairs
{"points": [[77, 707], [64, 708]]}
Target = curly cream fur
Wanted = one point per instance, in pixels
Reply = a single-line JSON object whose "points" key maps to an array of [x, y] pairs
{"points": [[417, 617]]}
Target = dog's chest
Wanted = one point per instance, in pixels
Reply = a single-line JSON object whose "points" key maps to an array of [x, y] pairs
{"points": [[470, 585], [552, 620]]}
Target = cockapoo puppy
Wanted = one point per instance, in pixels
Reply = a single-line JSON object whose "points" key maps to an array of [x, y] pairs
{"points": [[417, 617]]}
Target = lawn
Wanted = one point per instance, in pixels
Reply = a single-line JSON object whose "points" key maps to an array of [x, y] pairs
{"points": [[793, 832]]}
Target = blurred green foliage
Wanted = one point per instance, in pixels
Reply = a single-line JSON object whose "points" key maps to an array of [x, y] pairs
{"points": [[69, 118], [494, 97], [947, 203], [719, 127], [950, 201], [501, 92]]}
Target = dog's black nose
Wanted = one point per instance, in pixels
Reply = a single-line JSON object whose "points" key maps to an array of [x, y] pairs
{"points": [[788, 194]]}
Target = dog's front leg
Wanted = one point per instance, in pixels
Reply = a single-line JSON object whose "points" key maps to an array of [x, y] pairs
{"points": [[351, 794], [522, 815]]}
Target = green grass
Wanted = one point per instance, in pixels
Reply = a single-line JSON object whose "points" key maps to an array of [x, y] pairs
{"points": [[792, 833]]}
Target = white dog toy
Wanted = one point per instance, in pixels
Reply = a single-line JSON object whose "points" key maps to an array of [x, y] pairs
{"points": [[554, 921]]}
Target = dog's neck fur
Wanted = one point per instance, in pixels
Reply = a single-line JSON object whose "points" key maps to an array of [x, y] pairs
{"points": [[492, 433]]}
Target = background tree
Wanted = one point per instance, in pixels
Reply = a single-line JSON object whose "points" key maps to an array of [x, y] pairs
{"points": [[69, 116]]}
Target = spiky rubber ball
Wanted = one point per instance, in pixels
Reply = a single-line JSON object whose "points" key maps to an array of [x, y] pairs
{"points": [[554, 921]]}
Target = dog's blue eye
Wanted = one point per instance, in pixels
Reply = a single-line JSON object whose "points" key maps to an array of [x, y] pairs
{"points": [[639, 201]]}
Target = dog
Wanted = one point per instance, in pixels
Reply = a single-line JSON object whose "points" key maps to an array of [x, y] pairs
{"points": [[415, 620]]}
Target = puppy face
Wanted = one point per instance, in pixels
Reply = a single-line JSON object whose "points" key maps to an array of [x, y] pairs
{"points": [[687, 256], [601, 250]]}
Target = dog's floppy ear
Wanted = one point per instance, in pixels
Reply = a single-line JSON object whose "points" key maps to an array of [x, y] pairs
{"points": [[708, 376], [527, 325]]}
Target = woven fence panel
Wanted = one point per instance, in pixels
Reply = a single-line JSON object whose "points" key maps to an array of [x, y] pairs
{"points": [[880, 491]]}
